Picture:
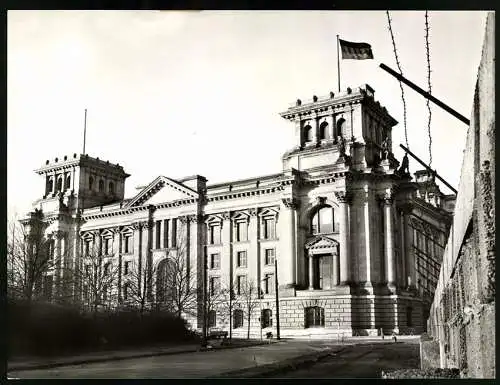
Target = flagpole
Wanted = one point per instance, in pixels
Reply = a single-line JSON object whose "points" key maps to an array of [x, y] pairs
{"points": [[338, 61], [84, 131]]}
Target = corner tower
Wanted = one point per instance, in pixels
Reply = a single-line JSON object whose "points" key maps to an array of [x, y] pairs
{"points": [[79, 182], [350, 123]]}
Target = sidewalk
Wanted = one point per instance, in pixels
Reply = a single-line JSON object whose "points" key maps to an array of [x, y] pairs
{"points": [[32, 363]]}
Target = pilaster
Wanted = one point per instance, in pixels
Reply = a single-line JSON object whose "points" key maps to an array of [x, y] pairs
{"points": [[344, 199]]}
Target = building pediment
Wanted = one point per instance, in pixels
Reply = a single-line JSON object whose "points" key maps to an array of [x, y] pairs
{"points": [[162, 190], [321, 242]]}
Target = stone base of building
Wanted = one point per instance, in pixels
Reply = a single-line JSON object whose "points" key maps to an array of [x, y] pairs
{"points": [[323, 313]]}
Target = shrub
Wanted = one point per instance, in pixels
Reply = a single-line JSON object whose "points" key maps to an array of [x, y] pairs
{"points": [[48, 329]]}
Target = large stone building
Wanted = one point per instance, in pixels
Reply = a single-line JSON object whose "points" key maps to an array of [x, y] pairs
{"points": [[357, 245]]}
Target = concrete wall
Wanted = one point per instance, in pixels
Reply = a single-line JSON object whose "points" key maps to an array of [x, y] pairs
{"points": [[462, 317]]}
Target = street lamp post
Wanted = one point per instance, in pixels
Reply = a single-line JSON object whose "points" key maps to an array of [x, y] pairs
{"points": [[205, 294]]}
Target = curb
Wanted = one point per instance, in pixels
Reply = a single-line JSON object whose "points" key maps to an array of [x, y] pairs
{"points": [[283, 366], [49, 365]]}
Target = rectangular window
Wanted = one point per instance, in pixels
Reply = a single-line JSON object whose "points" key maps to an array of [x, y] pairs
{"points": [[269, 283], [127, 244], [126, 267], [214, 285], [87, 247], [241, 231], [214, 261], [269, 256], [214, 235], [240, 284], [314, 316], [87, 270], [107, 246], [158, 234], [241, 259], [165, 233], [326, 220], [173, 242], [269, 228]]}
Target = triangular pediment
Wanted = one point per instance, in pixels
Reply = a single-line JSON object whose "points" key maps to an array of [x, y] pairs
{"points": [[321, 242], [162, 190]]}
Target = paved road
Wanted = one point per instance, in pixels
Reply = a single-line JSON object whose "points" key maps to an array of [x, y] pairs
{"points": [[362, 361], [189, 365]]}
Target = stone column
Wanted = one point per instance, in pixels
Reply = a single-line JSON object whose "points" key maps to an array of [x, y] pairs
{"points": [[311, 272], [120, 264], [315, 128], [287, 240], [390, 263], [254, 263], [57, 262], [408, 259], [226, 255], [54, 185], [138, 250], [335, 270], [344, 200]]}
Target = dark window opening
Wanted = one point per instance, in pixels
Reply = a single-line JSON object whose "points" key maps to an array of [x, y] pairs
{"points": [[314, 316], [238, 318], [241, 259], [214, 235], [266, 318], [409, 313], [212, 318], [59, 184], [308, 133], [269, 256], [101, 185], [91, 183], [214, 261], [269, 228], [322, 221], [68, 182], [324, 132], [111, 188]]}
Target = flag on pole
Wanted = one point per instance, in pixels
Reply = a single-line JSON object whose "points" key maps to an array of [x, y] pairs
{"points": [[356, 51]]}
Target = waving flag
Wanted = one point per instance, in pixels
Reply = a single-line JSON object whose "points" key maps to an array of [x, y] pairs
{"points": [[356, 51]]}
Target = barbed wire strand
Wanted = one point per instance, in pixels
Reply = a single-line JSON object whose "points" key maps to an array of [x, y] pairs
{"points": [[401, 72], [428, 85]]}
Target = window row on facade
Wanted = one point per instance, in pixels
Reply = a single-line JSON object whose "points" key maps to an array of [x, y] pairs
{"points": [[314, 316]]}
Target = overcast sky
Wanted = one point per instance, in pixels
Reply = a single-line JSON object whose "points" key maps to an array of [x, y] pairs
{"points": [[183, 93]]}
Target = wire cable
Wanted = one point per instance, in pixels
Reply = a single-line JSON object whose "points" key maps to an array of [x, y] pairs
{"points": [[429, 86], [401, 72]]}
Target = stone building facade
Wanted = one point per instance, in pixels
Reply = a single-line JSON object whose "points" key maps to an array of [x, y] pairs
{"points": [[357, 245]]}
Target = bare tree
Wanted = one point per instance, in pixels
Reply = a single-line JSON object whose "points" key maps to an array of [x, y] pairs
{"points": [[249, 297], [137, 283], [96, 277], [180, 288], [29, 256]]}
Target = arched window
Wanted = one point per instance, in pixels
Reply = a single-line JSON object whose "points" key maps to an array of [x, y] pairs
{"points": [[165, 281], [107, 269], [266, 318], [322, 221], [238, 318], [50, 185], [91, 183], [212, 319], [341, 127], [111, 188], [101, 185], [68, 182], [59, 183], [308, 133], [314, 316], [324, 132]]}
